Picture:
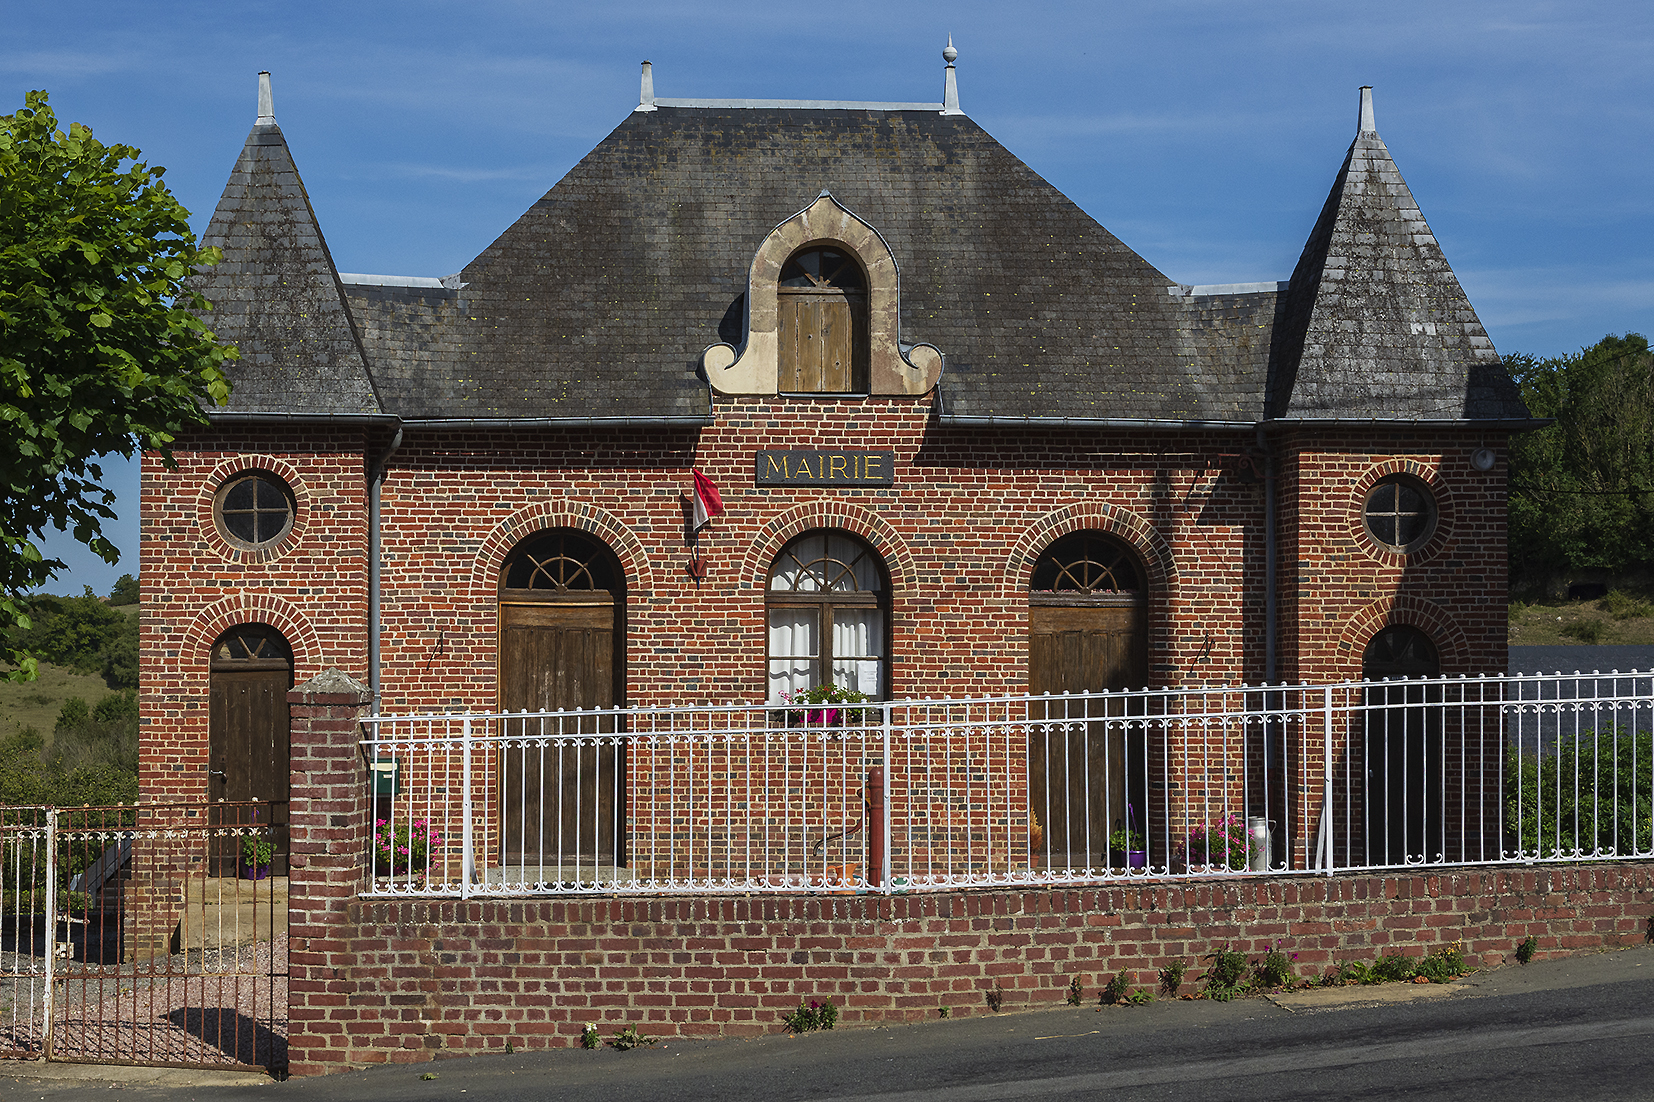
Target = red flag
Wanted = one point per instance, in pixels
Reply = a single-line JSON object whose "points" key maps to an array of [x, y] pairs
{"points": [[709, 502]]}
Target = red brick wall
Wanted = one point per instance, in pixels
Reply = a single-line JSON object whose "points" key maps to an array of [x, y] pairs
{"points": [[409, 981], [1338, 588], [312, 585]]}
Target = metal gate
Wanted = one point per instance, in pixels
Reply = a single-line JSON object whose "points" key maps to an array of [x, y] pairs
{"points": [[153, 934]]}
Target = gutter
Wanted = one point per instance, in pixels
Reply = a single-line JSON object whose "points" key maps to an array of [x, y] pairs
{"points": [[358, 419]]}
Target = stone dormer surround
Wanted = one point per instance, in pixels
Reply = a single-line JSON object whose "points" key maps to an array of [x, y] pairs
{"points": [[894, 369]]}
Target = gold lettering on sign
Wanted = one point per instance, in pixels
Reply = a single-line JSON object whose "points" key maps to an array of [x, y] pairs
{"points": [[810, 467]]}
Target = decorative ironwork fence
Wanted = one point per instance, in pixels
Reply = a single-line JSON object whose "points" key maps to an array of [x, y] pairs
{"points": [[1072, 789], [152, 934]]}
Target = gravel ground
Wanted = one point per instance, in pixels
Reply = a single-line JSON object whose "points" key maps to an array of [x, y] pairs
{"points": [[221, 1007]]}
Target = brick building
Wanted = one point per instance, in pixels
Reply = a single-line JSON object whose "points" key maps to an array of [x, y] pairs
{"points": [[968, 443]]}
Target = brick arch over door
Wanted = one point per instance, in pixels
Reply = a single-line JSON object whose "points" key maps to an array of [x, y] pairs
{"points": [[898, 558], [1123, 524], [195, 654], [1429, 617], [597, 522]]}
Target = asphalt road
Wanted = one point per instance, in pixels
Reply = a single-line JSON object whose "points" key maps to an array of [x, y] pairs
{"points": [[1576, 1028]]}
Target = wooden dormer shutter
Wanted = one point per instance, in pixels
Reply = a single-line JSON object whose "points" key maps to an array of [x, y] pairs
{"points": [[823, 323]]}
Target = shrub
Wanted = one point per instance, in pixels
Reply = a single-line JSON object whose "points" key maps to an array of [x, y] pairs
{"points": [[1593, 794], [1275, 970], [1586, 631], [1226, 979], [1525, 951], [1171, 977], [1623, 606], [1117, 990], [817, 1015], [1392, 968]]}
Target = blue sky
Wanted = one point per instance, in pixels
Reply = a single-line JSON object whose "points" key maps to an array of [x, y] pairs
{"points": [[1205, 135]]}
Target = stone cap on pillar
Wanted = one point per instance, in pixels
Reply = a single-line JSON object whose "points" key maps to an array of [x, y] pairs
{"points": [[331, 687]]}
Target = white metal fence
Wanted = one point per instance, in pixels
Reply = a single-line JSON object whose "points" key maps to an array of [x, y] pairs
{"points": [[1078, 788]]}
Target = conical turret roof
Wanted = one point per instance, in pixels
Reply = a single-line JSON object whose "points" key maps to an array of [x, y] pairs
{"points": [[1375, 324], [276, 294]]}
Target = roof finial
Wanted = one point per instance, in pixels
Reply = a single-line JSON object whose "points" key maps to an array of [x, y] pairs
{"points": [[1367, 125], [950, 84], [266, 112], [646, 94]]}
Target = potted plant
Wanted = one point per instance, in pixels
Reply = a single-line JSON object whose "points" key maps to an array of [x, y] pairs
{"points": [[256, 852], [404, 851], [1127, 847], [820, 706]]}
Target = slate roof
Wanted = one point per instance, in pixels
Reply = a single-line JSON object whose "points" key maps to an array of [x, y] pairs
{"points": [[598, 301], [276, 294], [1375, 324]]}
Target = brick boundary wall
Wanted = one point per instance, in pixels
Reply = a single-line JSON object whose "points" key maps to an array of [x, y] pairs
{"points": [[407, 980]]}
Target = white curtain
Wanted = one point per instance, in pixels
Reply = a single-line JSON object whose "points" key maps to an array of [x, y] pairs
{"points": [[795, 644], [858, 649]]}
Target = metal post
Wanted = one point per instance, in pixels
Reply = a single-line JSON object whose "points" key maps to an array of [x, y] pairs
{"points": [[1326, 782], [51, 926], [468, 864], [876, 838], [884, 808]]}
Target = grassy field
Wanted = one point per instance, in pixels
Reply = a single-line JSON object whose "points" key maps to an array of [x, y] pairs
{"points": [[1625, 619], [36, 703]]}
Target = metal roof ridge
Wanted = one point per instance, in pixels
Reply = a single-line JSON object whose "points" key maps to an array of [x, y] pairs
{"points": [[800, 104]]}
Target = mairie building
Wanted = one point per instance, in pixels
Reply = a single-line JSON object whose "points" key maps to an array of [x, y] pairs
{"points": [[967, 443]]}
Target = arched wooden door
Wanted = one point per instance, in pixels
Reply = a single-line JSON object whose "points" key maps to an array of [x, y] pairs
{"points": [[248, 756], [1087, 630], [1401, 747], [562, 646]]}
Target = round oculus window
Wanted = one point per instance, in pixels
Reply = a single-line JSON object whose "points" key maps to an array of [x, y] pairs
{"points": [[254, 509], [1400, 514]]}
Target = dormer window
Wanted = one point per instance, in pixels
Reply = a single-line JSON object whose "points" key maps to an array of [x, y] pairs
{"points": [[822, 328]]}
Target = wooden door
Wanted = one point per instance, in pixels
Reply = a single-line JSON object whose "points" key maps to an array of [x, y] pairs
{"points": [[1401, 748], [248, 754], [561, 796], [1083, 773], [822, 334]]}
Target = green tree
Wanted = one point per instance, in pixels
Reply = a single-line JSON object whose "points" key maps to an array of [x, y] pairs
{"points": [[102, 350], [125, 591], [1582, 490]]}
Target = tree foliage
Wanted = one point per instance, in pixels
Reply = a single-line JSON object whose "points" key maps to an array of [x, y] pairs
{"points": [[101, 347], [82, 633], [1582, 490]]}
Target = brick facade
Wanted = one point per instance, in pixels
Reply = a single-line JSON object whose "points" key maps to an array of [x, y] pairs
{"points": [[959, 532]]}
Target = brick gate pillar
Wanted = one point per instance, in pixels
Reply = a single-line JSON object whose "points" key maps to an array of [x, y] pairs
{"points": [[330, 838]]}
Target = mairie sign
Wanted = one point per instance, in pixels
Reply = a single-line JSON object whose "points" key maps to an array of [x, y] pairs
{"points": [[824, 468]]}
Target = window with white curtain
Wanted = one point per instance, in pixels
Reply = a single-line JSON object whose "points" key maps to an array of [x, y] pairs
{"points": [[828, 616]]}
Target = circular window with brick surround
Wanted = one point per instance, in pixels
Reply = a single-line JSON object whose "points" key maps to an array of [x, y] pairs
{"points": [[253, 509], [1400, 513]]}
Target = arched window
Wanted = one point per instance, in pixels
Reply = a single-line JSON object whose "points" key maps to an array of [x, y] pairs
{"points": [[828, 607], [823, 329]]}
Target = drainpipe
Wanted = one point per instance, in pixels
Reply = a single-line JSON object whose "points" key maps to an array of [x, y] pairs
{"points": [[1269, 608], [376, 476]]}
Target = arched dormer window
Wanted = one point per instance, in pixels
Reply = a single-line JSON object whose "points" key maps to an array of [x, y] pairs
{"points": [[822, 320]]}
